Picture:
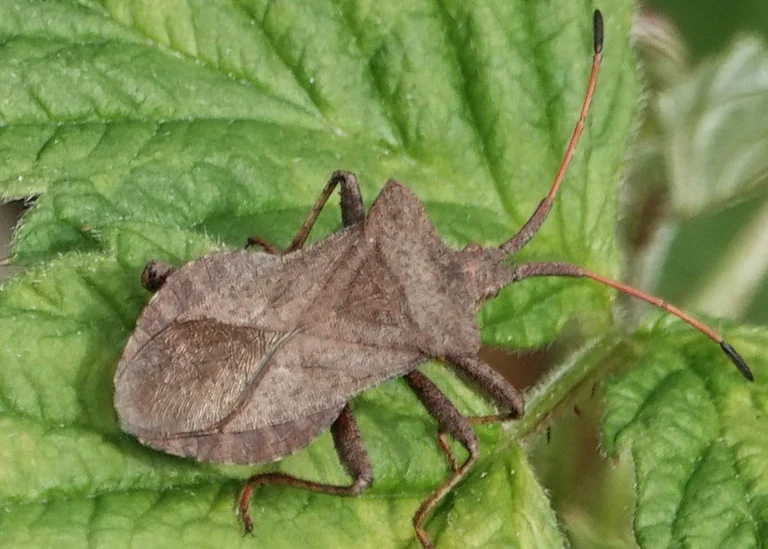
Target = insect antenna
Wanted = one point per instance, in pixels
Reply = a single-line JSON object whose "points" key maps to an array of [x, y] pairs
{"points": [[528, 270], [532, 226], [735, 357]]}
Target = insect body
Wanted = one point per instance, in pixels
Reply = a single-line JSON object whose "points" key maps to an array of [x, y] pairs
{"points": [[211, 361], [247, 356]]}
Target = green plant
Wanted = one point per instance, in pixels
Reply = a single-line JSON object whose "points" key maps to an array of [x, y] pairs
{"points": [[166, 130]]}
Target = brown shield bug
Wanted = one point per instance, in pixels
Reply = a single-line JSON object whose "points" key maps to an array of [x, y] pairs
{"points": [[247, 356]]}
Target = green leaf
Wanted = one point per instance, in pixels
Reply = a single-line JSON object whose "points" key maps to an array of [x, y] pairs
{"points": [[166, 130], [697, 437]]}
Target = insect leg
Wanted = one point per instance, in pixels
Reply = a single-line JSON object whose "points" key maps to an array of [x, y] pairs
{"points": [[353, 455], [442, 440], [449, 421], [352, 209], [257, 241], [493, 383], [154, 275]]}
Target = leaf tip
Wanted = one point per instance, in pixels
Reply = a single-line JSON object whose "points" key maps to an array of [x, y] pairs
{"points": [[599, 31], [737, 360]]}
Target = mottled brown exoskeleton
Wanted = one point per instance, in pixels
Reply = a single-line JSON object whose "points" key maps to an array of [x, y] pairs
{"points": [[247, 356]]}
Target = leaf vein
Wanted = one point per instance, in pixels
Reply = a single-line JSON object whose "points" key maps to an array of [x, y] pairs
{"points": [[698, 463], [48, 142], [658, 388], [379, 87], [463, 69], [298, 76]]}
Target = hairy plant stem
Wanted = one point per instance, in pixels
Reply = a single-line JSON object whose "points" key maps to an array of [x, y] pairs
{"points": [[589, 362]]}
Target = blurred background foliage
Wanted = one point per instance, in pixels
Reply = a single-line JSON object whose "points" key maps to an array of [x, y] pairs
{"points": [[709, 26], [696, 216]]}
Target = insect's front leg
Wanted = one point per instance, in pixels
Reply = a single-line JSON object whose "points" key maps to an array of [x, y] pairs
{"points": [[498, 388], [353, 455], [449, 421], [493, 383], [352, 211], [155, 274]]}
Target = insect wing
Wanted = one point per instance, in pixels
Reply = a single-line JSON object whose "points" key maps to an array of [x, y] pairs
{"points": [[194, 376]]}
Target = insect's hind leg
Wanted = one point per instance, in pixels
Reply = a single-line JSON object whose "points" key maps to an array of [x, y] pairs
{"points": [[353, 455], [155, 274], [449, 421]]}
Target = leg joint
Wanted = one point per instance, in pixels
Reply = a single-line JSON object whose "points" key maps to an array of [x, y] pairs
{"points": [[361, 483]]}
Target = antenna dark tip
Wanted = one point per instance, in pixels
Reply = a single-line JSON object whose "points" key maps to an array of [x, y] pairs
{"points": [[599, 31], [739, 362]]}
